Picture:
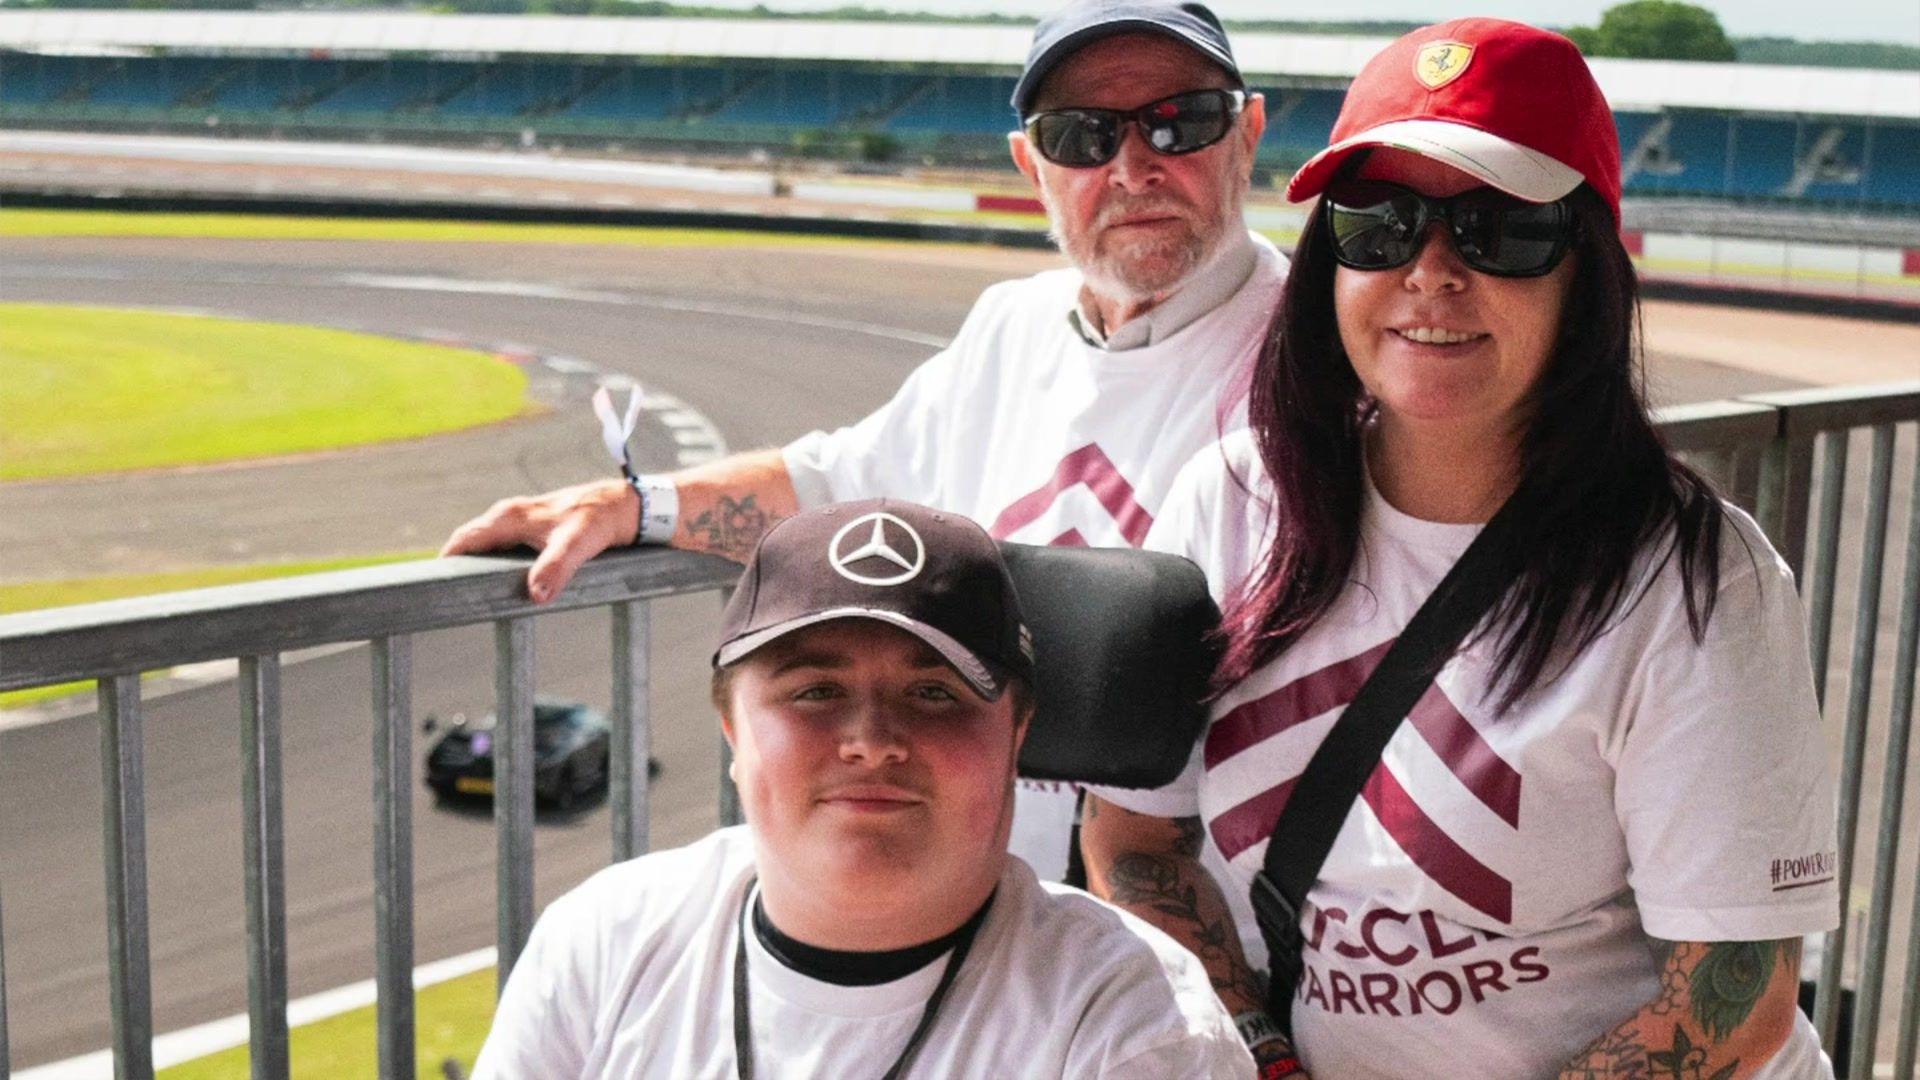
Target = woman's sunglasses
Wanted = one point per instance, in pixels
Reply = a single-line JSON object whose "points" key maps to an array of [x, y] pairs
{"points": [[1181, 124], [1376, 225]]}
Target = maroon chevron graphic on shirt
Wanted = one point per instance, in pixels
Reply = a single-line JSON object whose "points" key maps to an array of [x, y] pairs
{"points": [[1432, 850], [1453, 739], [1088, 465], [1301, 700]]}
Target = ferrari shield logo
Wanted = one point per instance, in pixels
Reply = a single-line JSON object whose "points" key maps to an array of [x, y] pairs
{"points": [[1442, 62]]}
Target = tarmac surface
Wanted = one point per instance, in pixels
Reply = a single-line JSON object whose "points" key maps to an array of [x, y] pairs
{"points": [[765, 342]]}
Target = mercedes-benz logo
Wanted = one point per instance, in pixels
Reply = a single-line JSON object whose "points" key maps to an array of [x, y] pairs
{"points": [[885, 540]]}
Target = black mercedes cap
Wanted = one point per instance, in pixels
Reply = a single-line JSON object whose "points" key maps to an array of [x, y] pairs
{"points": [[935, 575], [1082, 22]]}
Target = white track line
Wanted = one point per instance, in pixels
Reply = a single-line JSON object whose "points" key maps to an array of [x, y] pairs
{"points": [[420, 283], [200, 1040]]}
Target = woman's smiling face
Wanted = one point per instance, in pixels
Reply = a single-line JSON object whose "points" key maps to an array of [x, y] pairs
{"points": [[1436, 342]]}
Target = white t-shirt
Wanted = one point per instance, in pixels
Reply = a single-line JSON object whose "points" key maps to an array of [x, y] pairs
{"points": [[1491, 895], [1045, 439], [631, 975]]}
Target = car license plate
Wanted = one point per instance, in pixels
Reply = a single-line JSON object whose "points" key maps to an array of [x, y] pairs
{"points": [[473, 785]]}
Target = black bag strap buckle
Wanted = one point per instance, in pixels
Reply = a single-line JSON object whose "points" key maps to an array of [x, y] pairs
{"points": [[1279, 917]]}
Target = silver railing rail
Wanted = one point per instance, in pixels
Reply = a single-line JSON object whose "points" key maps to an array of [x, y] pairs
{"points": [[1786, 457], [113, 642]]}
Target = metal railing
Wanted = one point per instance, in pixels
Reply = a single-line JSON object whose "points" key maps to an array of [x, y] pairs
{"points": [[1785, 456], [114, 642]]}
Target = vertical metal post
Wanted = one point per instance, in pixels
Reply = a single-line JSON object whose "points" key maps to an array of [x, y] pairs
{"points": [[1786, 474], [1743, 478], [1904, 1051], [265, 845], [1833, 488], [730, 811], [627, 780], [129, 964], [513, 786], [1866, 1018], [393, 854], [1873, 550], [6, 1069]]}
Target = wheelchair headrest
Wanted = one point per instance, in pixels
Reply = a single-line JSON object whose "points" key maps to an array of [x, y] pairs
{"points": [[1122, 658]]}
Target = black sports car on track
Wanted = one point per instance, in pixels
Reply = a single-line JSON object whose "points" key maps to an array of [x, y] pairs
{"points": [[570, 747]]}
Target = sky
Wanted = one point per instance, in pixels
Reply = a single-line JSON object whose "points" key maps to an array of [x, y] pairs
{"points": [[1896, 21]]}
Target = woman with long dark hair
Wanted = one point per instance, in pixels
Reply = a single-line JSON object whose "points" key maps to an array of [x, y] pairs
{"points": [[1594, 844]]}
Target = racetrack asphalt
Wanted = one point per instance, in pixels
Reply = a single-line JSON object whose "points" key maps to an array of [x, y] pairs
{"points": [[766, 342]]}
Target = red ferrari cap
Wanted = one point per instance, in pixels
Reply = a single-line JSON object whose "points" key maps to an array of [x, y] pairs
{"points": [[1512, 104]]}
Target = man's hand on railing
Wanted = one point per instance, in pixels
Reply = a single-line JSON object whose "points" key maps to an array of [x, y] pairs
{"points": [[567, 527]]}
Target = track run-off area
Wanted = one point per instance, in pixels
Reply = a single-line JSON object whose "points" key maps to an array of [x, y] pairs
{"points": [[748, 340]]}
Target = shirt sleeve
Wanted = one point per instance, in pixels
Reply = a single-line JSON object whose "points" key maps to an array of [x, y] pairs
{"points": [[542, 1027], [896, 450], [1213, 1057], [1722, 785]]}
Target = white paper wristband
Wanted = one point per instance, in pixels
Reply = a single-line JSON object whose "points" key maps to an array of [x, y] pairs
{"points": [[659, 509]]}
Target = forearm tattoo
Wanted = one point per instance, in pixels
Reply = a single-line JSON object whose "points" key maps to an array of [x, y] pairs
{"points": [[1165, 886], [731, 527], [1694, 1027]]}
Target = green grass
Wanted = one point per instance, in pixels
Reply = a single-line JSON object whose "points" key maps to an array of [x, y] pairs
{"points": [[106, 223], [451, 1020], [34, 595], [89, 390]]}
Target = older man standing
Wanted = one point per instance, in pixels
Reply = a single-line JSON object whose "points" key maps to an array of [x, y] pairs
{"points": [[1065, 405], [874, 678]]}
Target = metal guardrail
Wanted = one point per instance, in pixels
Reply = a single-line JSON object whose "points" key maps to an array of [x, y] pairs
{"points": [[115, 641], [1785, 456]]}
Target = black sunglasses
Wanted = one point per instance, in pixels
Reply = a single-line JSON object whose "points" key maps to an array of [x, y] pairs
{"points": [[1376, 225], [1181, 124]]}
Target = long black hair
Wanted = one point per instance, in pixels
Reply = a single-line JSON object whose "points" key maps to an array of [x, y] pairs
{"points": [[1599, 479]]}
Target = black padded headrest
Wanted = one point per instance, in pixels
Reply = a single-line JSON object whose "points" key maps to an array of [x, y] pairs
{"points": [[1122, 657]]}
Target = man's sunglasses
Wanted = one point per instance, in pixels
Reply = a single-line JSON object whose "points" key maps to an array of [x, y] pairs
{"points": [[1181, 124], [1376, 225]]}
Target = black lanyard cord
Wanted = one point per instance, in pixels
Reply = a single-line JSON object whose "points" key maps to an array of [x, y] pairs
{"points": [[743, 1021]]}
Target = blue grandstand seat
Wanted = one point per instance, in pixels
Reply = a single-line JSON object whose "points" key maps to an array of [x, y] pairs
{"points": [[626, 93], [1632, 127], [31, 79], [133, 84], [514, 89], [256, 85], [793, 98], [1305, 118], [398, 85], [1833, 169], [960, 105], [1764, 152], [848, 95], [1692, 160], [1892, 170]]}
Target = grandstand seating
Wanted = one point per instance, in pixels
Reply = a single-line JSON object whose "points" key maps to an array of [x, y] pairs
{"points": [[1891, 165], [963, 106], [1300, 121], [1691, 159], [623, 92], [1828, 166], [1680, 152], [30, 79], [516, 90], [1762, 156]]}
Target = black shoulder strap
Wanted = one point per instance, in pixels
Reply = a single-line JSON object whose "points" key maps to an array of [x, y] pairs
{"points": [[1325, 792]]}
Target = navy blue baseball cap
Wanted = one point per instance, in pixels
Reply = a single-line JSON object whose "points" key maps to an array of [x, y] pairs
{"points": [[1083, 22]]}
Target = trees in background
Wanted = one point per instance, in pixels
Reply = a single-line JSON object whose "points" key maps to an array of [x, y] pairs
{"points": [[1655, 30]]}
